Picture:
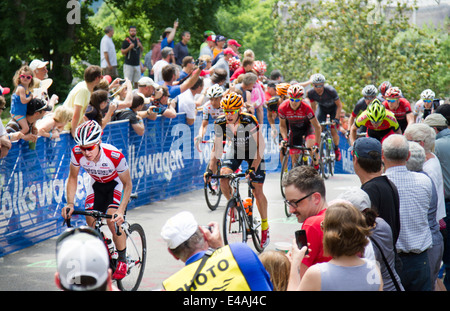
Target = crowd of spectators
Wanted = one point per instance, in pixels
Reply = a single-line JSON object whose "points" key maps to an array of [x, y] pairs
{"points": [[402, 217]]}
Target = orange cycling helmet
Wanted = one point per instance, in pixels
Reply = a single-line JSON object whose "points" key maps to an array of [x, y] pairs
{"points": [[232, 101], [282, 88], [296, 91]]}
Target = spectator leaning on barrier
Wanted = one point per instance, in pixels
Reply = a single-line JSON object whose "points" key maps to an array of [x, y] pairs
{"points": [[36, 109], [415, 191], [80, 95], [196, 245], [53, 123], [186, 101], [5, 138], [82, 261], [131, 114], [108, 58]]}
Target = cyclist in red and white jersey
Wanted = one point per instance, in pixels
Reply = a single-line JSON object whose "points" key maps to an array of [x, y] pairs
{"points": [[110, 187], [299, 117], [399, 106]]}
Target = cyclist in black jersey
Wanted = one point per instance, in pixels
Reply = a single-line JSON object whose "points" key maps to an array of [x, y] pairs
{"points": [[244, 141], [326, 99]]}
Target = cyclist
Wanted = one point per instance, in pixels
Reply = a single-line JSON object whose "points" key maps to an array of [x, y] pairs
{"points": [[211, 110], [380, 123], [399, 106], [247, 143], [301, 122], [273, 104], [326, 99], [425, 106], [383, 88], [369, 93], [111, 185]]}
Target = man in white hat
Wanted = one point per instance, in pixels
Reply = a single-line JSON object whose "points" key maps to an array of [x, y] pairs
{"points": [[82, 261], [209, 264], [42, 82]]}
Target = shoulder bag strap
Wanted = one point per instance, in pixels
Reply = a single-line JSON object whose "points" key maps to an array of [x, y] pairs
{"points": [[205, 257], [387, 265]]}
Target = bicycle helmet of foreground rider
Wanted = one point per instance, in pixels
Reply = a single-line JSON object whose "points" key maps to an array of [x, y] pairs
{"points": [[215, 91], [370, 91], [88, 133], [427, 94], [282, 88], [376, 111], [296, 91], [232, 101], [317, 78]]}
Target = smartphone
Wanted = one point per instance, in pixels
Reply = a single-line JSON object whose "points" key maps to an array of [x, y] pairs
{"points": [[300, 238]]}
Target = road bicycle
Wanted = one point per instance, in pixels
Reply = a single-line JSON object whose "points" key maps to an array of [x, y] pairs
{"points": [[136, 248], [306, 157], [240, 219], [326, 150]]}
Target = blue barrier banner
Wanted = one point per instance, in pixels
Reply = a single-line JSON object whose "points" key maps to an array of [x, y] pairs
{"points": [[163, 163]]}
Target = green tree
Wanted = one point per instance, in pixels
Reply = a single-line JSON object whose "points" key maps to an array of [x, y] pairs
{"points": [[354, 44], [195, 16], [251, 23], [41, 29]]}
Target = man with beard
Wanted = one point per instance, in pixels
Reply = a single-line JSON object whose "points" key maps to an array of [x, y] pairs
{"points": [[132, 50]]}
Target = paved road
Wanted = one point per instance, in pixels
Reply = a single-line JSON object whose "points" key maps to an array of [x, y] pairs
{"points": [[33, 268]]}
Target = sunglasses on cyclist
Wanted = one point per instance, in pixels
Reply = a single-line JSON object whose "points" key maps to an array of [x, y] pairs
{"points": [[294, 204], [90, 148], [391, 100], [232, 112], [318, 85], [427, 100], [295, 100], [26, 77]]}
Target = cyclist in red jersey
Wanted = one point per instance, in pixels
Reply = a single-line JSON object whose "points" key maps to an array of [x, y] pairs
{"points": [[299, 117], [110, 188], [399, 106]]}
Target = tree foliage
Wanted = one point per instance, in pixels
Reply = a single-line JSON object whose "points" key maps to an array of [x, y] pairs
{"points": [[354, 44], [39, 29]]}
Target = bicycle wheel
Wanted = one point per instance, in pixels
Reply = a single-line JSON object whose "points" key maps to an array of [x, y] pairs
{"points": [[285, 167], [255, 230], [234, 224], [324, 153], [212, 191], [136, 257]]}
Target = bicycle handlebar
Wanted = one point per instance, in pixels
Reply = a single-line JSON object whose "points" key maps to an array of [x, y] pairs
{"points": [[234, 176], [93, 213]]}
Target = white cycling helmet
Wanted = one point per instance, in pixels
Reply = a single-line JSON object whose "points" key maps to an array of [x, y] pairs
{"points": [[88, 133], [427, 94], [370, 90], [317, 78], [215, 91]]}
